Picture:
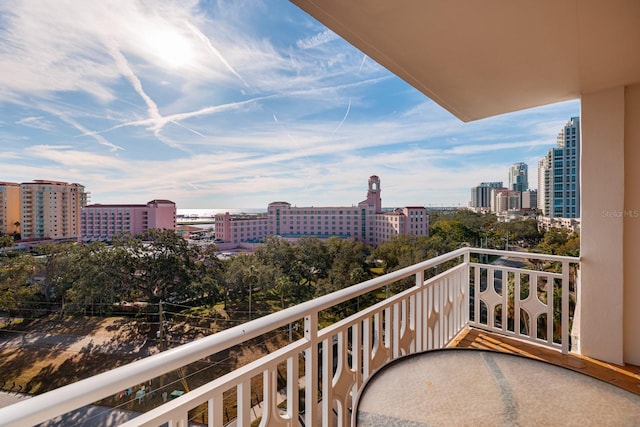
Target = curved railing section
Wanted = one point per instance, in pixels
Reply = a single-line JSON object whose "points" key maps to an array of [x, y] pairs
{"points": [[529, 296], [313, 381]]}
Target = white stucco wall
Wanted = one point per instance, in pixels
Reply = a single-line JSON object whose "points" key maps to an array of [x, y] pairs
{"points": [[632, 226], [601, 246]]}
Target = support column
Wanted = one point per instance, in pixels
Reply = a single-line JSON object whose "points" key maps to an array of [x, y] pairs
{"points": [[631, 313], [602, 224]]}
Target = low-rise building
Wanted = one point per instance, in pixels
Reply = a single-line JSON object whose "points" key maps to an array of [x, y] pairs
{"points": [[546, 223], [365, 222], [241, 228], [101, 222]]}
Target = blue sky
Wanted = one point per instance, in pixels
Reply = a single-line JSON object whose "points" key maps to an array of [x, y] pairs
{"points": [[233, 104]]}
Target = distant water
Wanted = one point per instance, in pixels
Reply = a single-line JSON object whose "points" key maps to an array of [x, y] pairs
{"points": [[196, 213]]}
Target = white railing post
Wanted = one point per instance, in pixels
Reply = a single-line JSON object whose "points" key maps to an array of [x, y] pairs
{"points": [[243, 402], [419, 317], [292, 389], [215, 411], [516, 302], [565, 307], [396, 320], [327, 381], [575, 326], [311, 369], [465, 284]]}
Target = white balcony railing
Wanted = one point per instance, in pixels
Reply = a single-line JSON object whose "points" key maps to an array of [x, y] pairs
{"points": [[329, 364]]}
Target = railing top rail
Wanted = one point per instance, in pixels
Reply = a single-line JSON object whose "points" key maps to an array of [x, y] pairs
{"points": [[516, 254], [515, 269]]}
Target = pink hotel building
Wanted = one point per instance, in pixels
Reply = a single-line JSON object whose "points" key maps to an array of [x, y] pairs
{"points": [[102, 222], [365, 222]]}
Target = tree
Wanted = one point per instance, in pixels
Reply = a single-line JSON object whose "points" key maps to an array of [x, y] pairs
{"points": [[6, 242], [276, 252], [348, 265], [17, 287], [208, 274], [401, 251], [302, 264], [58, 269], [163, 263], [247, 279], [559, 241], [97, 283], [313, 259], [525, 231], [16, 231]]}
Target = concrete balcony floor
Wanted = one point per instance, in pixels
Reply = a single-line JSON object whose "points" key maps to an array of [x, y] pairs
{"points": [[509, 385], [626, 377]]}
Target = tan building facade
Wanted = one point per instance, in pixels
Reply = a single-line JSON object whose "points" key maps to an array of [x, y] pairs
{"points": [[9, 207], [51, 209]]}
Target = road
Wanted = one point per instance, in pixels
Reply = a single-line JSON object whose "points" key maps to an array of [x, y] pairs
{"points": [[111, 335], [89, 416]]}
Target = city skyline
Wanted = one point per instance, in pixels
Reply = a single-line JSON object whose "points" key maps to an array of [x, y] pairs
{"points": [[233, 105]]}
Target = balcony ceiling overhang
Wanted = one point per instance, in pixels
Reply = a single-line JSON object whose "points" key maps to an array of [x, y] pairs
{"points": [[482, 58]]}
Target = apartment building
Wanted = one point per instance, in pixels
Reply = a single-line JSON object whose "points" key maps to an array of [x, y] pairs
{"points": [[519, 177], [504, 200], [241, 228], [530, 200], [408, 220], [481, 196], [51, 209], [559, 175], [101, 222], [9, 207], [365, 221]]}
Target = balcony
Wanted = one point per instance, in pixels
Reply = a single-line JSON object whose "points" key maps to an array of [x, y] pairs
{"points": [[456, 299]]}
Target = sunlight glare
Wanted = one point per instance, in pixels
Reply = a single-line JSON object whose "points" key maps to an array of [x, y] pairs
{"points": [[174, 49]]}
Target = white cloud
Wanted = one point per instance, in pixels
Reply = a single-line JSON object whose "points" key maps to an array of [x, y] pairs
{"points": [[200, 104], [317, 40], [36, 123], [485, 148]]}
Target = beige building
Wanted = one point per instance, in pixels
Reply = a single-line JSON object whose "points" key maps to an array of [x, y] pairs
{"points": [[9, 207], [51, 209], [484, 58]]}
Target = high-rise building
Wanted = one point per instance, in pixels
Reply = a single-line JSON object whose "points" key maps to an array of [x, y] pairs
{"points": [[530, 199], [481, 195], [51, 209], [519, 177], [365, 222], [9, 208], [504, 200], [101, 222], [544, 177], [559, 175]]}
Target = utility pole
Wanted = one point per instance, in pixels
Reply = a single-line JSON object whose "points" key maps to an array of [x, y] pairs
{"points": [[161, 326]]}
